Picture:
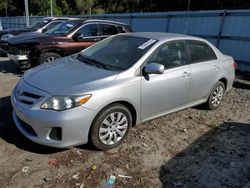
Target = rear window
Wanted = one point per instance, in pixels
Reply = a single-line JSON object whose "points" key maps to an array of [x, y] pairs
{"points": [[106, 29], [200, 51]]}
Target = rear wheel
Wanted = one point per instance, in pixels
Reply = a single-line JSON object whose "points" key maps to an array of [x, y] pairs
{"points": [[48, 57], [110, 127], [216, 96]]}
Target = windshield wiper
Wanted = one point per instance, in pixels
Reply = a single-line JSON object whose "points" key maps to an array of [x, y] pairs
{"points": [[91, 61], [115, 67]]}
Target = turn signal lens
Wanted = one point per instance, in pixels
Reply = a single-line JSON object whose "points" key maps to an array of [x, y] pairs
{"points": [[84, 99]]}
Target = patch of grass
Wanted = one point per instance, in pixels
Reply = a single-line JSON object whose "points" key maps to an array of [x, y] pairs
{"points": [[213, 125]]}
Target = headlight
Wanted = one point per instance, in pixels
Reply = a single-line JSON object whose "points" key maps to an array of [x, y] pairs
{"points": [[6, 36], [60, 103]]}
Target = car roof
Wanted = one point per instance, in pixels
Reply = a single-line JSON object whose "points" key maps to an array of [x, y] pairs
{"points": [[105, 21], [162, 36], [59, 18]]}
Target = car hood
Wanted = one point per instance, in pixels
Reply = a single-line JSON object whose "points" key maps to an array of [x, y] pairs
{"points": [[13, 31], [31, 37], [68, 76]]}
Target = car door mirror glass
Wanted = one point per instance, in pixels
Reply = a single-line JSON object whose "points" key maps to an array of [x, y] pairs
{"points": [[154, 68], [44, 30], [77, 37]]}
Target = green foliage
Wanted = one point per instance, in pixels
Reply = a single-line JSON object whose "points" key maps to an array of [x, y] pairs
{"points": [[98, 11], [9, 4], [85, 7]]}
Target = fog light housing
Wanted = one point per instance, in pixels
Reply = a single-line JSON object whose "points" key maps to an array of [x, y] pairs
{"points": [[56, 133]]}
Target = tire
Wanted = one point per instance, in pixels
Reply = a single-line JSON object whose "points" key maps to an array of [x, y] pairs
{"points": [[104, 130], [216, 96], [47, 57]]}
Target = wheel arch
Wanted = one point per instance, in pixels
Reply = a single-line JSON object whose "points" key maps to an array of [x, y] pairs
{"points": [[224, 81], [55, 50], [130, 107], [125, 103]]}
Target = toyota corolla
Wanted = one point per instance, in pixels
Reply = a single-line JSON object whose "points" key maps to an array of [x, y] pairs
{"points": [[95, 96]]}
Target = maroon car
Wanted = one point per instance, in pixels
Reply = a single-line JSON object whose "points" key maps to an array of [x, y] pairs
{"points": [[65, 39]]}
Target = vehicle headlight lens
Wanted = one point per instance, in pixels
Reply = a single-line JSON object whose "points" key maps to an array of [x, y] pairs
{"points": [[59, 103], [6, 36]]}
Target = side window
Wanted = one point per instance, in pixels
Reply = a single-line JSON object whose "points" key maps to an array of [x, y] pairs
{"points": [[122, 29], [171, 54], [89, 30], [52, 24], [106, 29], [200, 51]]}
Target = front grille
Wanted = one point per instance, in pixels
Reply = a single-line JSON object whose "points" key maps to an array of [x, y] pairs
{"points": [[26, 102], [27, 127], [31, 95], [13, 50], [27, 97]]}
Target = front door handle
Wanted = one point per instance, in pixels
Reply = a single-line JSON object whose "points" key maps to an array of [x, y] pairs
{"points": [[185, 74]]}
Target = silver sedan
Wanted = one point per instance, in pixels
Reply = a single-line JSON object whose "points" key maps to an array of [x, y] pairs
{"points": [[98, 94]]}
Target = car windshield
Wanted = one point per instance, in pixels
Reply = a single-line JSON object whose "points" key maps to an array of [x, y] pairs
{"points": [[62, 28], [116, 53], [38, 25]]}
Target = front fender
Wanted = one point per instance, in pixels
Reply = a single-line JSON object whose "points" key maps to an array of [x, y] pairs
{"points": [[128, 92]]}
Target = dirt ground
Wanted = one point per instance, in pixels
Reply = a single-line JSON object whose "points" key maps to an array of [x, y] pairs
{"points": [[188, 149]]}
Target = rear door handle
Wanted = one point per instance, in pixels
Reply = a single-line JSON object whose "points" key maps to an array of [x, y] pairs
{"points": [[185, 74], [216, 67]]}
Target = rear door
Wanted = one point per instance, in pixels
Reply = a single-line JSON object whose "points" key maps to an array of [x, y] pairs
{"points": [[106, 30], [204, 69]]}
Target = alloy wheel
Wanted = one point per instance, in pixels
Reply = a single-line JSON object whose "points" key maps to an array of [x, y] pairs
{"points": [[49, 59], [217, 95]]}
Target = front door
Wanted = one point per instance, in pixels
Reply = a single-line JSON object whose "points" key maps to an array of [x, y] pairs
{"points": [[84, 37], [163, 92]]}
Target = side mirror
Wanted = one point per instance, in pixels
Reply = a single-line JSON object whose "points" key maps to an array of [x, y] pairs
{"points": [[154, 68], [44, 30], [77, 37]]}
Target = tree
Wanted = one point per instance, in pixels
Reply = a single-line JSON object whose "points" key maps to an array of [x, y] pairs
{"points": [[85, 6], [8, 4]]}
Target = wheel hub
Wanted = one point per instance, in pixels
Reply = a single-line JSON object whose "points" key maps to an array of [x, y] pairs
{"points": [[217, 96], [113, 128]]}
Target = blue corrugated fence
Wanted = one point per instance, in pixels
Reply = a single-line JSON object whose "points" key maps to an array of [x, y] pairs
{"points": [[228, 30]]}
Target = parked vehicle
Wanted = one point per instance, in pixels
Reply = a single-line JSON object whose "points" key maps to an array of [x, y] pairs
{"points": [[99, 93], [40, 27], [65, 39]]}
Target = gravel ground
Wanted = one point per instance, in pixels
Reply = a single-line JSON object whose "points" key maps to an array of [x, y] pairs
{"points": [[191, 148]]}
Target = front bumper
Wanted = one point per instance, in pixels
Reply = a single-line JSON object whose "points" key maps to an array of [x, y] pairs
{"points": [[74, 123], [17, 58]]}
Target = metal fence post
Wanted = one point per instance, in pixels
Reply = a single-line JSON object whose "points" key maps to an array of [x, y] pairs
{"points": [[221, 28], [130, 20], [167, 22]]}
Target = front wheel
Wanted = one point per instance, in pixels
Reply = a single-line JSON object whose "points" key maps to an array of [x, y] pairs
{"points": [[110, 127], [48, 57], [216, 96]]}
